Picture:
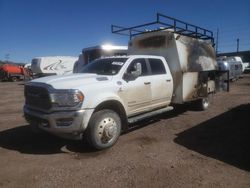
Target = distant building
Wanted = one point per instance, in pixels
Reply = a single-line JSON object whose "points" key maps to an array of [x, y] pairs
{"points": [[245, 55]]}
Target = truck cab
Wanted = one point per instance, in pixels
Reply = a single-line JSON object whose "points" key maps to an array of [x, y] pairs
{"points": [[101, 100]]}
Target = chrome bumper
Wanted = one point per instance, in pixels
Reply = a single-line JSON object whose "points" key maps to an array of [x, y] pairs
{"points": [[66, 124]]}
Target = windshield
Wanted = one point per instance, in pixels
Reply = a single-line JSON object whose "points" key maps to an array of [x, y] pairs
{"points": [[107, 66]]}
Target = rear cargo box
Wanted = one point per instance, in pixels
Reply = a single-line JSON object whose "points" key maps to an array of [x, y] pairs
{"points": [[189, 60]]}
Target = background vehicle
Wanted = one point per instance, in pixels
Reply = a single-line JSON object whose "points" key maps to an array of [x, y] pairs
{"points": [[95, 52], [231, 64], [52, 65], [246, 67], [12, 72]]}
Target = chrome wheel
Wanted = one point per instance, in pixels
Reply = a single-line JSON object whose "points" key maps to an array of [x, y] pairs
{"points": [[104, 129], [205, 102], [107, 130]]}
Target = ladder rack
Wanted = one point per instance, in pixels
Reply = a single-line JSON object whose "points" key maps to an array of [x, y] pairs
{"points": [[164, 22]]}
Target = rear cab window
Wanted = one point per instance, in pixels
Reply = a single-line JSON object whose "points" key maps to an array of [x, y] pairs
{"points": [[157, 66]]}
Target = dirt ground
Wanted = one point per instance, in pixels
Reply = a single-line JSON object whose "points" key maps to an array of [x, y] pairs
{"points": [[182, 148]]}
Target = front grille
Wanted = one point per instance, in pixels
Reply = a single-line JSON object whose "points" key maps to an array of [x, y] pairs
{"points": [[38, 97]]}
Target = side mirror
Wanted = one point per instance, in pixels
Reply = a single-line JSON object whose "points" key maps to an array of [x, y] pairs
{"points": [[133, 74], [138, 70]]}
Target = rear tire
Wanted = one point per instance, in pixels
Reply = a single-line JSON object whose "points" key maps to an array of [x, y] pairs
{"points": [[13, 79], [104, 129], [204, 103]]}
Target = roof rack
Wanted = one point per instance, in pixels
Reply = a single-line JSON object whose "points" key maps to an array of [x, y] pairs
{"points": [[164, 22]]}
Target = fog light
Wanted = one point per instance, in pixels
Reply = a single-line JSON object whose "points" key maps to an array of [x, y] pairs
{"points": [[41, 122], [44, 124], [64, 122]]}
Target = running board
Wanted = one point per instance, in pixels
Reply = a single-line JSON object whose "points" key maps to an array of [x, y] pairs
{"points": [[149, 114]]}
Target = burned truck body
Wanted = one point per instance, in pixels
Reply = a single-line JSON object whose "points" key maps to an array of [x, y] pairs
{"points": [[189, 52], [192, 62]]}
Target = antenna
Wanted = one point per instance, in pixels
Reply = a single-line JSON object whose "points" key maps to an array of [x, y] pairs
{"points": [[217, 40], [7, 57], [238, 43]]}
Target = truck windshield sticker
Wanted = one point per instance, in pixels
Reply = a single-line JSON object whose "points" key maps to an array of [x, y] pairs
{"points": [[117, 63]]}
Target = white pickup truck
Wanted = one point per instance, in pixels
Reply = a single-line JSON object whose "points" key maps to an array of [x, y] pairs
{"points": [[101, 101], [163, 68]]}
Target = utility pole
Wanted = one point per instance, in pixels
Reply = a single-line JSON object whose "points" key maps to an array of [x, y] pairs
{"points": [[7, 57], [238, 43], [217, 40]]}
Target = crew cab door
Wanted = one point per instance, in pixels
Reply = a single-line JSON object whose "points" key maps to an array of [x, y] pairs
{"points": [[137, 93], [161, 83]]}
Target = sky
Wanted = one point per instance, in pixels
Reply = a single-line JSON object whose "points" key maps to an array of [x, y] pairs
{"points": [[31, 28]]}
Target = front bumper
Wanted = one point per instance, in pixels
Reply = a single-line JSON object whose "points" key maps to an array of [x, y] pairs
{"points": [[66, 124]]}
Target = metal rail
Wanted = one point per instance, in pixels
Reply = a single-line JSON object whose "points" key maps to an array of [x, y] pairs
{"points": [[165, 22]]}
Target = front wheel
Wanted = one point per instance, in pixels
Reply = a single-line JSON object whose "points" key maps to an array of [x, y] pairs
{"points": [[104, 129]]}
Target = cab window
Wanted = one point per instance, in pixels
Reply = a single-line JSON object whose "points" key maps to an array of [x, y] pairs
{"points": [[157, 66]]}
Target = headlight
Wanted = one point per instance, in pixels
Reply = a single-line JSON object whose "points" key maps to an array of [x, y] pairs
{"points": [[66, 98]]}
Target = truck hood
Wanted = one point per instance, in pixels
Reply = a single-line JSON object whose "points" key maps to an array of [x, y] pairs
{"points": [[72, 81]]}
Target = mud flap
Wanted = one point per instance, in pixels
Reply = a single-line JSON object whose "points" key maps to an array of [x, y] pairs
{"points": [[222, 80]]}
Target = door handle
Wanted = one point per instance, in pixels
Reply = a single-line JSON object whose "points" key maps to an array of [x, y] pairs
{"points": [[169, 80], [147, 83]]}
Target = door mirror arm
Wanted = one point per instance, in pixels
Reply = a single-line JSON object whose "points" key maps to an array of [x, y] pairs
{"points": [[134, 74]]}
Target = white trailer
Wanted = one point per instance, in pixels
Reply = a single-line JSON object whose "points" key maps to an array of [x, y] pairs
{"points": [[52, 65]]}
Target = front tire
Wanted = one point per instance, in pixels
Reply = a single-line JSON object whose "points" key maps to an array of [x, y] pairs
{"points": [[104, 129]]}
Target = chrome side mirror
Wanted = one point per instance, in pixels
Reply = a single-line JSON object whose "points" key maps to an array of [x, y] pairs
{"points": [[138, 70]]}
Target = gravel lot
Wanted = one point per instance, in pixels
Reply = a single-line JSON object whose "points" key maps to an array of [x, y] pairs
{"points": [[182, 148]]}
